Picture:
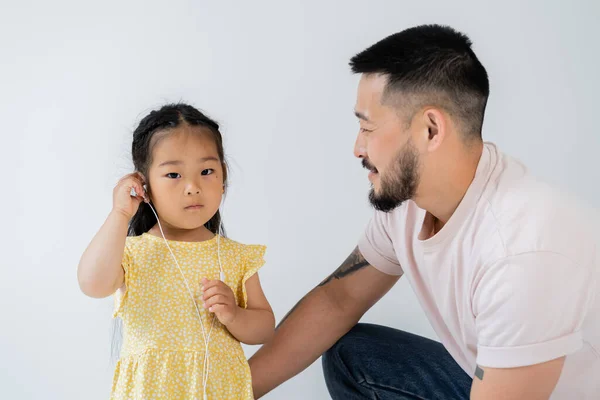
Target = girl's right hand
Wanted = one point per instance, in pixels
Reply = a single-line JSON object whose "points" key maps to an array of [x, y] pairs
{"points": [[123, 202]]}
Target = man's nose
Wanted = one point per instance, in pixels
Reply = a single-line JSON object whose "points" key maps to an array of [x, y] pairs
{"points": [[360, 150]]}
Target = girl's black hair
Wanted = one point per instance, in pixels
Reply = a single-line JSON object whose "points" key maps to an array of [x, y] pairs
{"points": [[168, 117]]}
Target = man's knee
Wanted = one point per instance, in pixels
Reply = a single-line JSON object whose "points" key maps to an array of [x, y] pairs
{"points": [[346, 350]]}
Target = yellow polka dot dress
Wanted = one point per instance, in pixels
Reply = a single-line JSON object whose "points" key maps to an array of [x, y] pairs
{"points": [[163, 346]]}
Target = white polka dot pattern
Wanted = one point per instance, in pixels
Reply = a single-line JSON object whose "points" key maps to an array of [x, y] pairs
{"points": [[163, 347]]}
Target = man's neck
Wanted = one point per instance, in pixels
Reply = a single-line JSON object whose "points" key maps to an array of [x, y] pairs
{"points": [[449, 188]]}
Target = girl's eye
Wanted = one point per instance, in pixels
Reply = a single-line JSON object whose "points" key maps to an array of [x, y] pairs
{"points": [[173, 175], [207, 172]]}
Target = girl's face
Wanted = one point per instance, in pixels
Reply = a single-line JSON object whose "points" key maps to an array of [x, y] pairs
{"points": [[186, 177]]}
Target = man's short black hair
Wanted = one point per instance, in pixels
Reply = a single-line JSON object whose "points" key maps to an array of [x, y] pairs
{"points": [[430, 65]]}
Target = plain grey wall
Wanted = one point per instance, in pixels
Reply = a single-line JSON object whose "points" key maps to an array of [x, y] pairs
{"points": [[75, 78]]}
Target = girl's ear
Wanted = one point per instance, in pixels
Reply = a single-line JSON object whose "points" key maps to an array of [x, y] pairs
{"points": [[142, 177], [144, 183]]}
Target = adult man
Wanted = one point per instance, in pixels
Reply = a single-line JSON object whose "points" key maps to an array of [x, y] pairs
{"points": [[506, 268]]}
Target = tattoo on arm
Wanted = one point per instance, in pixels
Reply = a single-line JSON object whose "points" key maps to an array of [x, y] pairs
{"points": [[353, 263], [479, 372]]}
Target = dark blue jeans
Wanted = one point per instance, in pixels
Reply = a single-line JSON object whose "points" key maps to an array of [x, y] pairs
{"points": [[377, 362]]}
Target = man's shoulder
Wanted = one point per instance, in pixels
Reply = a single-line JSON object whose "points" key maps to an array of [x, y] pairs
{"points": [[530, 214]]}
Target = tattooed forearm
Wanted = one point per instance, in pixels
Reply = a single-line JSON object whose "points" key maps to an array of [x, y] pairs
{"points": [[353, 263]]}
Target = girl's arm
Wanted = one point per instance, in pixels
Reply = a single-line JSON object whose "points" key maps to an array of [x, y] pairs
{"points": [[254, 324], [99, 272]]}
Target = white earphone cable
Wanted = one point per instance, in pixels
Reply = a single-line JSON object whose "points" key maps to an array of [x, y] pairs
{"points": [[206, 363]]}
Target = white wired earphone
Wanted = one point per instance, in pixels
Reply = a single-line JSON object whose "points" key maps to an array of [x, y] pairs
{"points": [[206, 363]]}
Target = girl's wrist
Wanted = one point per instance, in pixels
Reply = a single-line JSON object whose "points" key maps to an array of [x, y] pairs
{"points": [[119, 214], [236, 313]]}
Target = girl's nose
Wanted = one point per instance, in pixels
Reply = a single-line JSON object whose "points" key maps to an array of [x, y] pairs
{"points": [[192, 189]]}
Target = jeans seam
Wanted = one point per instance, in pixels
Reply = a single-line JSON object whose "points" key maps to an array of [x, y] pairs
{"points": [[362, 382], [347, 370], [403, 391], [365, 383]]}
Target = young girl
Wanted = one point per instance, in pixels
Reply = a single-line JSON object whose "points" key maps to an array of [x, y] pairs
{"points": [[186, 294]]}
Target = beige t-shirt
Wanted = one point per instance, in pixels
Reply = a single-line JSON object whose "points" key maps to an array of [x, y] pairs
{"points": [[513, 278]]}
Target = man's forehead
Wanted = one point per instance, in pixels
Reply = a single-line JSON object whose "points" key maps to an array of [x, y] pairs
{"points": [[369, 100], [372, 85]]}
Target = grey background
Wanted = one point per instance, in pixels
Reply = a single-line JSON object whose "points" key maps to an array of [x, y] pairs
{"points": [[75, 78]]}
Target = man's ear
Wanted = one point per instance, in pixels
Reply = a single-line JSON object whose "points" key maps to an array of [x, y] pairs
{"points": [[434, 122]]}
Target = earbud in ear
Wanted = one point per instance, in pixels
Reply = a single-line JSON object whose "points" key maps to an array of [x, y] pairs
{"points": [[133, 193], [146, 196]]}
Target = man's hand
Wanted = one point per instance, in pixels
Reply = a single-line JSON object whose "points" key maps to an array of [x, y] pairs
{"points": [[535, 382]]}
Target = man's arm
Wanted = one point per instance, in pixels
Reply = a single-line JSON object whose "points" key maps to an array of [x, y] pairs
{"points": [[529, 309], [535, 382], [324, 315]]}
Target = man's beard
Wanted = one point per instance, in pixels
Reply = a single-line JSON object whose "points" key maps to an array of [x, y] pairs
{"points": [[399, 182]]}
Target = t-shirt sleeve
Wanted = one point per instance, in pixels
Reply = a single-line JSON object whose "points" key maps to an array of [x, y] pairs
{"points": [[529, 309], [253, 261], [376, 245]]}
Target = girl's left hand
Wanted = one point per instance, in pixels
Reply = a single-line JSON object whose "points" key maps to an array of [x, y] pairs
{"points": [[218, 298]]}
